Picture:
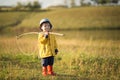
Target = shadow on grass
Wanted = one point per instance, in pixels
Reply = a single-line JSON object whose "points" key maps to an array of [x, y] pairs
{"points": [[71, 77]]}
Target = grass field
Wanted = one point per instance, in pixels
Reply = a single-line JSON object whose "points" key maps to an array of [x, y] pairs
{"points": [[88, 54], [78, 18], [73, 18], [10, 18]]}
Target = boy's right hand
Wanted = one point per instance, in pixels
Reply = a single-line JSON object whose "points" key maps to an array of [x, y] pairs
{"points": [[46, 34]]}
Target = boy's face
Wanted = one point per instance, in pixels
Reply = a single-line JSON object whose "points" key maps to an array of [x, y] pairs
{"points": [[45, 27]]}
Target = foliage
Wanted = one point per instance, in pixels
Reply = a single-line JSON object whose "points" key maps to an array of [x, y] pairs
{"points": [[72, 3], [105, 1], [115, 1], [29, 5], [36, 4]]}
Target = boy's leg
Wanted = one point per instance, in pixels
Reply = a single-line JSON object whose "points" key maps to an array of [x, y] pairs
{"points": [[44, 66], [50, 66]]}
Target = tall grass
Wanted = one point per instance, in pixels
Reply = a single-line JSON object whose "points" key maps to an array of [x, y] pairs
{"points": [[77, 18], [11, 19], [73, 18], [79, 57]]}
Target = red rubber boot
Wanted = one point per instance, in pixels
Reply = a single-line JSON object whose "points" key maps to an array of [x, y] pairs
{"points": [[50, 70], [44, 71]]}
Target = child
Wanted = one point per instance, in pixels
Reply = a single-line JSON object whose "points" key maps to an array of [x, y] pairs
{"points": [[47, 47]]}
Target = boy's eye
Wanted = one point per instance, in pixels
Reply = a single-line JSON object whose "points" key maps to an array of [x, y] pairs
{"points": [[47, 26]]}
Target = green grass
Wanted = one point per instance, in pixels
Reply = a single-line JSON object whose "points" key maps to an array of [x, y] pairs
{"points": [[91, 55]]}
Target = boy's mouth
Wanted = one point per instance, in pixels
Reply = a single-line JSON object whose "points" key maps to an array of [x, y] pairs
{"points": [[47, 29]]}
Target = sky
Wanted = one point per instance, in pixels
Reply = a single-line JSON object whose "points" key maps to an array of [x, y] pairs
{"points": [[45, 3]]}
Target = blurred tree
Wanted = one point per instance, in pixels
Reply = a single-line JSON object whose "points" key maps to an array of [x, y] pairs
{"points": [[36, 4], [72, 3], [84, 4], [65, 2], [81, 2], [29, 5], [19, 5], [114, 1], [105, 1]]}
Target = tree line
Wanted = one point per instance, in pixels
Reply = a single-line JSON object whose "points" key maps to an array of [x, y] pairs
{"points": [[35, 5], [97, 2], [106, 1]]}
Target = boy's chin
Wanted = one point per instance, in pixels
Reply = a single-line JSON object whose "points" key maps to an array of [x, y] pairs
{"points": [[47, 31]]}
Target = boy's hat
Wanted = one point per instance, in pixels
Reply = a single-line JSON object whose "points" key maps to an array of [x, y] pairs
{"points": [[45, 20]]}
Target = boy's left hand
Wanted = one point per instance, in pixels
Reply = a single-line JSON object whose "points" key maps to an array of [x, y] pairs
{"points": [[56, 51]]}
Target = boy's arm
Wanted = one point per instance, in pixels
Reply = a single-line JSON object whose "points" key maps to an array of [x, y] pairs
{"points": [[56, 48], [43, 38]]}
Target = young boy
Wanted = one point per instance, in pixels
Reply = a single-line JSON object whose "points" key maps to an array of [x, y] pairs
{"points": [[47, 47]]}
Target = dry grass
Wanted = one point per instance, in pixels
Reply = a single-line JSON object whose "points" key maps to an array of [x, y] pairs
{"points": [[10, 18], [78, 58], [77, 18]]}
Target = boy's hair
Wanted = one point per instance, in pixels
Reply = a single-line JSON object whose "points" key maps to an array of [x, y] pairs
{"points": [[45, 20]]}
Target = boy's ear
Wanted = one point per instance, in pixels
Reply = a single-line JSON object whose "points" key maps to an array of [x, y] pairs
{"points": [[40, 28]]}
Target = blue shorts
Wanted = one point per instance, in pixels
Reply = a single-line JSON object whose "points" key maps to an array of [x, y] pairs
{"points": [[48, 61]]}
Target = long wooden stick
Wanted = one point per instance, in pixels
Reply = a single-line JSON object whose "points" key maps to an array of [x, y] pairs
{"points": [[58, 34], [19, 36]]}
